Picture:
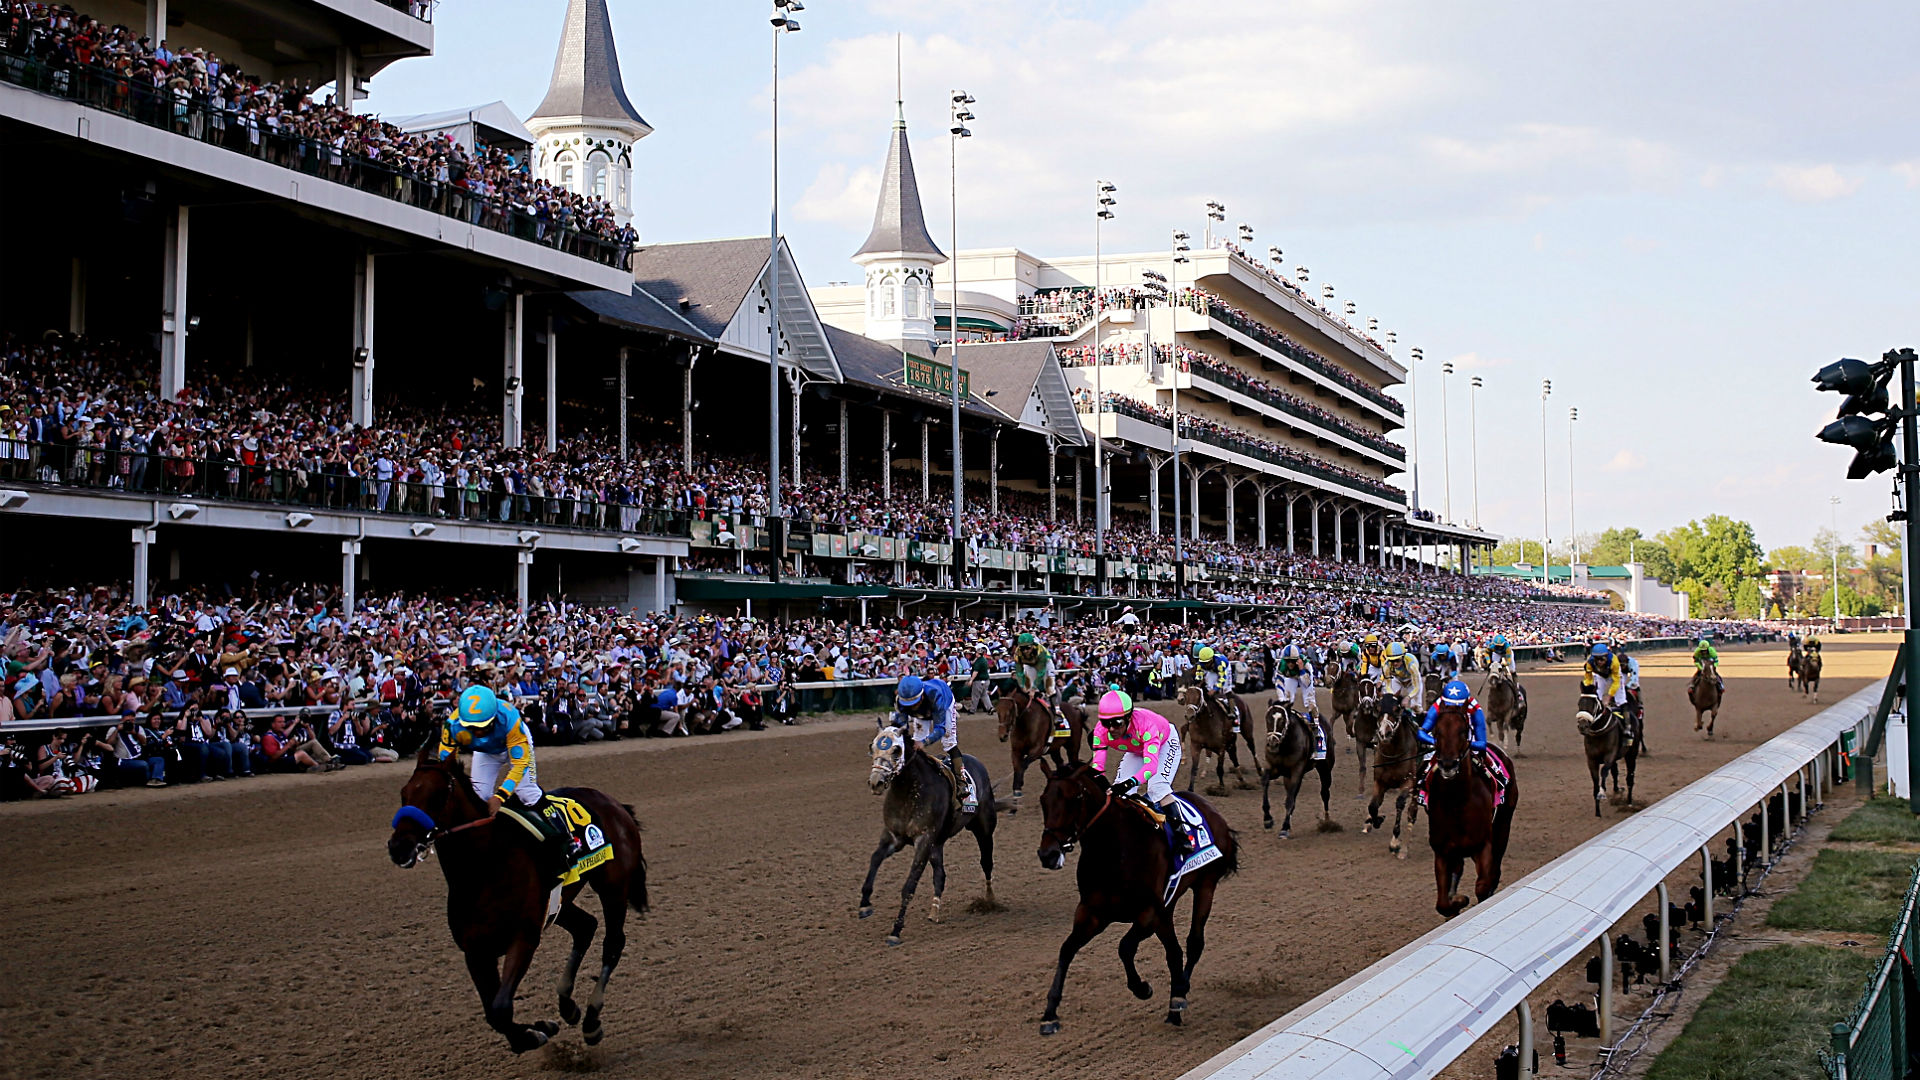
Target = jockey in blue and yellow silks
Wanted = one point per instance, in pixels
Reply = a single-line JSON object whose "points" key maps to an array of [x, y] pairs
{"points": [[502, 747]]}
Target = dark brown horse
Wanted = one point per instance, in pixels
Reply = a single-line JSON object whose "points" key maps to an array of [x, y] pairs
{"points": [[1290, 747], [497, 897], [1396, 768], [1123, 875], [1506, 706], [1605, 731], [1026, 722], [1794, 656], [1462, 821], [1703, 693], [1345, 691], [1366, 727], [1208, 728], [1810, 673], [1433, 683], [923, 811]]}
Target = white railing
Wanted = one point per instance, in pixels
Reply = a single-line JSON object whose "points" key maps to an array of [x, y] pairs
{"points": [[1410, 1015]]}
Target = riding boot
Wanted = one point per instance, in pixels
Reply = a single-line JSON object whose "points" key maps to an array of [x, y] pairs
{"points": [[961, 779]]}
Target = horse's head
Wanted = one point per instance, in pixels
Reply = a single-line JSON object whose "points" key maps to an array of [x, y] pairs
{"points": [[890, 748], [424, 805], [1452, 733], [1074, 796], [1191, 697], [1279, 722], [1006, 710]]}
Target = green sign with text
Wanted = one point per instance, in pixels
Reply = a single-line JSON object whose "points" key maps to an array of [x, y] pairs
{"points": [[934, 378]]}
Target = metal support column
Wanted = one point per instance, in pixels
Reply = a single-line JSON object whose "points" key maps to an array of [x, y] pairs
{"points": [[1291, 499], [1315, 523], [621, 379], [1523, 1013], [553, 396], [1606, 989], [660, 583], [686, 414], [349, 576], [1666, 934], [926, 453], [1339, 541], [143, 538], [886, 454], [512, 388], [1706, 884], [1153, 496], [1053, 479], [843, 446], [1232, 482], [523, 565], [1079, 468], [363, 358], [1260, 514], [173, 306], [993, 473], [793, 428]]}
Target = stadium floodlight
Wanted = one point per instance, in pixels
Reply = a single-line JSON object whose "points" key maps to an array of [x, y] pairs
{"points": [[12, 498], [1277, 256], [1216, 210], [1864, 384], [182, 511], [1351, 309], [784, 12], [299, 519], [1246, 233], [629, 545], [1858, 423], [422, 528], [1326, 291], [527, 537], [1301, 273]]}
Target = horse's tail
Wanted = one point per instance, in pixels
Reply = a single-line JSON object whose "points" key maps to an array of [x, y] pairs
{"points": [[637, 898]]}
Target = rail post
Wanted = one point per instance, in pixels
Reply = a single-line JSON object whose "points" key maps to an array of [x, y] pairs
{"points": [[1524, 1014], [1766, 841], [1666, 935], [1841, 1034], [1606, 989], [1706, 884]]}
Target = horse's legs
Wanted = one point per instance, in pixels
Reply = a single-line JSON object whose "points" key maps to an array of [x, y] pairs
{"points": [[1193, 769], [1130, 944], [1294, 781], [1633, 762], [888, 845], [1599, 786], [1266, 802], [1325, 769], [577, 922], [1197, 928], [613, 905], [939, 859], [1374, 820], [1399, 809], [1020, 760], [922, 851], [1085, 925], [983, 832], [1176, 967], [1446, 879], [513, 968]]}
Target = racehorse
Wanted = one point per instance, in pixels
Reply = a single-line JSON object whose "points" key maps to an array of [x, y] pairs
{"points": [[923, 809], [1794, 657], [1123, 875], [1290, 746], [1396, 768], [1366, 726], [1463, 820], [1603, 729], [1506, 706], [1703, 693], [497, 898], [1345, 691], [1027, 722], [1433, 684], [1810, 673], [1209, 729]]}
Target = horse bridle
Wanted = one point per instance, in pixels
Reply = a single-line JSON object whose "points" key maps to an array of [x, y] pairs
{"points": [[1073, 837], [433, 832]]}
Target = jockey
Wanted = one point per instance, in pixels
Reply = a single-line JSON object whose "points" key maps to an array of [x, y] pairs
{"points": [[1033, 672], [1295, 678], [1500, 655], [1149, 759], [1704, 651], [1603, 666], [927, 709], [1402, 671], [1443, 659], [501, 744], [1211, 671], [1372, 663], [1457, 693]]}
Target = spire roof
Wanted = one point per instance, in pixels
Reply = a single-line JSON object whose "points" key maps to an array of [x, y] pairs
{"points": [[898, 223], [586, 72]]}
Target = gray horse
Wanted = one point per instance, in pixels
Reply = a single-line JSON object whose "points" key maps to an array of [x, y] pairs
{"points": [[1289, 755], [922, 810]]}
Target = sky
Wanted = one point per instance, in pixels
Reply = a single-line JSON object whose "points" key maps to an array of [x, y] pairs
{"points": [[1674, 211]]}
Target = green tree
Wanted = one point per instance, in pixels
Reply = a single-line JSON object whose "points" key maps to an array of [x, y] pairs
{"points": [[1618, 546], [1851, 603], [1747, 599], [1795, 557], [1717, 549], [1523, 550]]}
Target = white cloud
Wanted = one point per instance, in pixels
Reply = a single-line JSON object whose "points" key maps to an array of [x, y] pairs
{"points": [[1812, 183], [839, 197], [1908, 171], [1473, 361], [1625, 461]]}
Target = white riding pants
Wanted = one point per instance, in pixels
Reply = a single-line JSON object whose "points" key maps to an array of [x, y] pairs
{"points": [[1297, 690], [1160, 782], [486, 776], [923, 729]]}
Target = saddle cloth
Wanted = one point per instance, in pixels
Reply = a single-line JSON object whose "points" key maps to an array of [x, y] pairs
{"points": [[962, 785], [1492, 764], [1205, 850], [572, 842]]}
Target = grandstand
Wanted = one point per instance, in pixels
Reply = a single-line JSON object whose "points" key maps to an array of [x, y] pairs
{"points": [[261, 326]]}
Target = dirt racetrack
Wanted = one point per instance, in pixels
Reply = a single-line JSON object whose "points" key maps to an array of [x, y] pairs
{"points": [[257, 928]]}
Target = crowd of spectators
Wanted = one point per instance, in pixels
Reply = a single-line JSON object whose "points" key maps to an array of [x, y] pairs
{"points": [[208, 685], [1222, 373], [1279, 277], [194, 92]]}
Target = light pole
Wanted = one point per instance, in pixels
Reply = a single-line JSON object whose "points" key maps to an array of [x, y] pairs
{"points": [[959, 116], [1446, 440], [1413, 404], [1103, 204], [1833, 522], [1546, 529], [1573, 529], [1216, 211], [1178, 256], [1473, 438], [783, 23]]}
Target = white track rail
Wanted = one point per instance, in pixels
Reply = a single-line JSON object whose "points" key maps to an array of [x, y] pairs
{"points": [[1410, 1015]]}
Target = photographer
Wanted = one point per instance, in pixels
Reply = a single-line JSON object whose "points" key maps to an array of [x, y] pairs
{"points": [[188, 736], [288, 747], [230, 730], [345, 739]]}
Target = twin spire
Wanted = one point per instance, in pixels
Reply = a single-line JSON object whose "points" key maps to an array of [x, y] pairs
{"points": [[899, 225], [586, 72]]}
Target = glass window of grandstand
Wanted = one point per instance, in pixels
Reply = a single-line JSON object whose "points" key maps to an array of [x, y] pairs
{"points": [[566, 171], [887, 306]]}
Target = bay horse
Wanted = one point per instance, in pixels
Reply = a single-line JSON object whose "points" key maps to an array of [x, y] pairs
{"points": [[1506, 706], [1366, 726], [1810, 673], [1396, 768], [1603, 729], [1027, 724], [923, 810], [1208, 729], [1794, 656], [1703, 693], [1462, 821], [1290, 744], [1345, 692], [1433, 684], [1123, 872], [497, 899]]}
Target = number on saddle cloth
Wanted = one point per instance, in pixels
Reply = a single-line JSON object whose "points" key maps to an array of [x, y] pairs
{"points": [[572, 843]]}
